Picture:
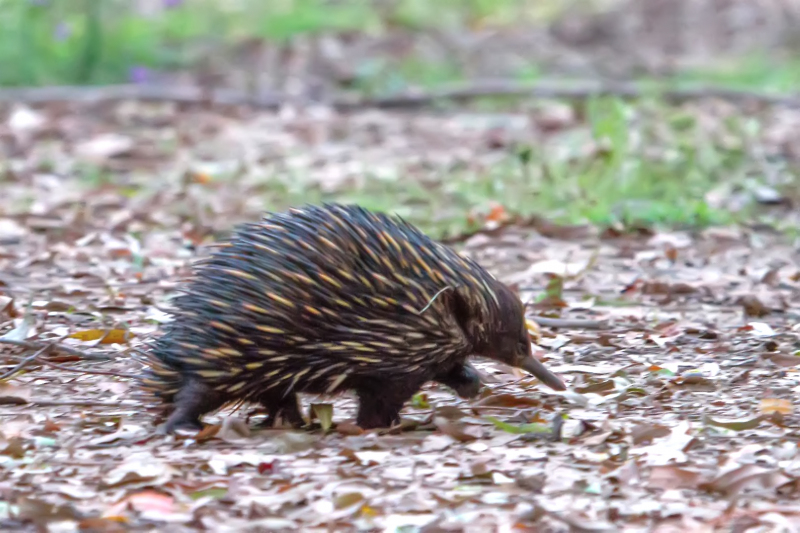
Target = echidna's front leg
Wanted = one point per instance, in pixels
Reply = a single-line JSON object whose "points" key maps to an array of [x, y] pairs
{"points": [[287, 408], [462, 378], [193, 401]]}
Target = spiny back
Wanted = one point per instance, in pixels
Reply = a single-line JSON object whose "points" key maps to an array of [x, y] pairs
{"points": [[322, 286]]}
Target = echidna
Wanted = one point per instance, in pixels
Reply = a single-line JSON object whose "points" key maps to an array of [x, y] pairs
{"points": [[323, 299]]}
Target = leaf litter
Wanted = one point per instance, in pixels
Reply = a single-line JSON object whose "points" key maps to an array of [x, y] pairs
{"points": [[680, 409]]}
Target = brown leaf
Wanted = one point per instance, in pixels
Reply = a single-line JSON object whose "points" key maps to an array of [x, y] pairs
{"points": [[508, 400], [671, 477], [348, 428], [208, 432], [7, 307], [647, 432], [148, 500], [43, 512], [13, 447], [753, 306], [347, 499], [781, 359], [776, 405], [102, 525], [749, 475], [662, 287], [14, 395], [458, 431]]}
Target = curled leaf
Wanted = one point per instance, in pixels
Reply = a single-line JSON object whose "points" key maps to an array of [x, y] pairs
{"points": [[736, 425], [324, 413], [769, 406], [521, 428], [113, 336]]}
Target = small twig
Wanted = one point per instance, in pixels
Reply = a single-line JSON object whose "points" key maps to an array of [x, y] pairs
{"points": [[80, 403], [28, 360], [572, 323], [577, 90], [36, 345], [83, 371]]}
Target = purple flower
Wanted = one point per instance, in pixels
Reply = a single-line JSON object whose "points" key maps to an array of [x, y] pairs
{"points": [[139, 74], [170, 4], [62, 32]]}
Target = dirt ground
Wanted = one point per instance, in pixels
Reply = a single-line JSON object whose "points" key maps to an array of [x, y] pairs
{"points": [[681, 368]]}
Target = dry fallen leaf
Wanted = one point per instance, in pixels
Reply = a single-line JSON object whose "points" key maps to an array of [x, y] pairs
{"points": [[348, 428], [233, 429], [736, 479], [103, 147], [753, 306], [147, 500], [776, 405], [112, 336], [671, 477], [14, 395], [737, 425], [139, 467], [324, 413], [7, 307], [458, 431]]}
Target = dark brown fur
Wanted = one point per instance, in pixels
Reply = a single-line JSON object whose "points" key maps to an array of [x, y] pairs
{"points": [[377, 409]]}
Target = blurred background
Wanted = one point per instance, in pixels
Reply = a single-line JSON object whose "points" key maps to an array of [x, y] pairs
{"points": [[387, 45], [571, 156]]}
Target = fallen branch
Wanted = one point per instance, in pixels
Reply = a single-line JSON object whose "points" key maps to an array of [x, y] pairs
{"points": [[570, 323], [36, 345], [81, 403], [28, 360], [578, 90], [84, 371]]}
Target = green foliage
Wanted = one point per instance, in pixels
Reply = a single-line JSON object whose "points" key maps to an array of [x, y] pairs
{"points": [[760, 72], [100, 41]]}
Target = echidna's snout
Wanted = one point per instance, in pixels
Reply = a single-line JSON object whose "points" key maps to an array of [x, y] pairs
{"points": [[532, 365]]}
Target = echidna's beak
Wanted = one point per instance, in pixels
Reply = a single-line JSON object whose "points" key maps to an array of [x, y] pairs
{"points": [[534, 366]]}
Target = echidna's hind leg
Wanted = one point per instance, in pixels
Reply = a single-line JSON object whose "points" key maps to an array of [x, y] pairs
{"points": [[193, 401], [462, 378], [286, 407], [379, 404]]}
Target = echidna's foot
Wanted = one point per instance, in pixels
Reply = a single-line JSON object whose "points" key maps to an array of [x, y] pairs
{"points": [[372, 419], [379, 407], [191, 402], [286, 408], [171, 425], [463, 379]]}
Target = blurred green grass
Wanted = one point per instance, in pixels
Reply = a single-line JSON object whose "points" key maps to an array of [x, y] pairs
{"points": [[90, 41]]}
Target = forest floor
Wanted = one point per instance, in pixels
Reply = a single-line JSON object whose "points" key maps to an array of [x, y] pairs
{"points": [[682, 387]]}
